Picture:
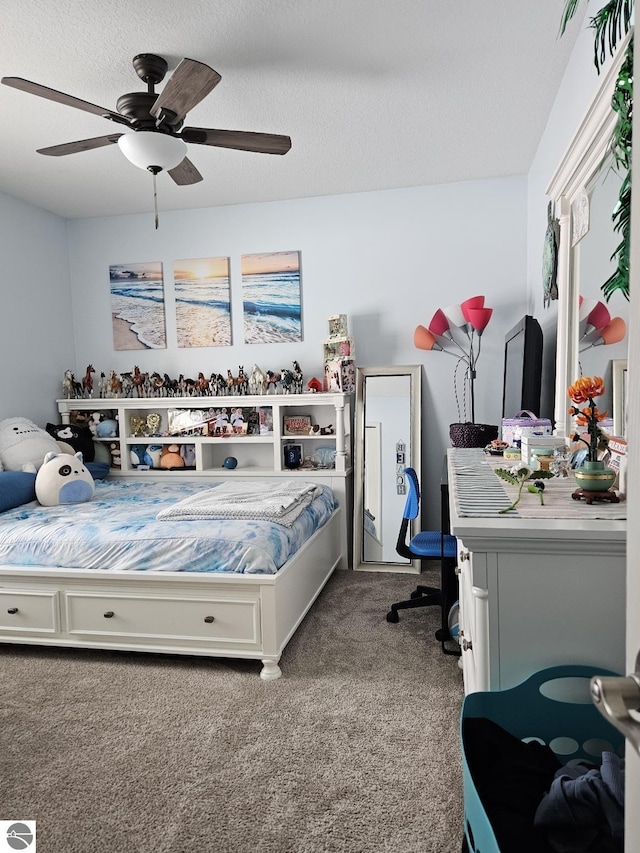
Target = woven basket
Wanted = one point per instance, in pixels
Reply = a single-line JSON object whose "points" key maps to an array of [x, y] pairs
{"points": [[472, 435]]}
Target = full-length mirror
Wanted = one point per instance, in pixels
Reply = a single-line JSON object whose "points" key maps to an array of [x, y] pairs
{"points": [[585, 188], [388, 406]]}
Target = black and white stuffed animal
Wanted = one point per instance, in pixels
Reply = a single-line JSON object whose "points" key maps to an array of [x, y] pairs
{"points": [[79, 437]]}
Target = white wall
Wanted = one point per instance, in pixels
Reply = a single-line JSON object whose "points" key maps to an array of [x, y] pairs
{"points": [[575, 94], [387, 259], [36, 329]]}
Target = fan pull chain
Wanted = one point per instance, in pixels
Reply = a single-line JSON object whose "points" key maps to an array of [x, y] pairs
{"points": [[155, 201]]}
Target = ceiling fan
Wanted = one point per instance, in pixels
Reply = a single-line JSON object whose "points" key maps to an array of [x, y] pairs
{"points": [[157, 139]]}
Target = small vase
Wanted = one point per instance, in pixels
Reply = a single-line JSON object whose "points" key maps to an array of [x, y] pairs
{"points": [[594, 477]]}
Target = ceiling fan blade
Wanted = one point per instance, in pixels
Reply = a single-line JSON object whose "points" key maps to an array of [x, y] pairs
{"points": [[62, 98], [185, 173], [264, 143], [188, 85], [80, 145]]}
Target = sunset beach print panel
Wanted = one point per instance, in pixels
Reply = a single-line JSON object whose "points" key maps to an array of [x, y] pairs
{"points": [[271, 297], [137, 306], [203, 309]]}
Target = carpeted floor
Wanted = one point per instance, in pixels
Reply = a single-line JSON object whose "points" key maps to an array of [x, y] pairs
{"points": [[354, 750]]}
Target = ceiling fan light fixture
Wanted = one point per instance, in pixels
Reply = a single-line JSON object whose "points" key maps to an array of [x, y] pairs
{"points": [[152, 150]]}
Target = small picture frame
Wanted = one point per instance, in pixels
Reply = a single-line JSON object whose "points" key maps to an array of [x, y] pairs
{"points": [[296, 424], [338, 325]]}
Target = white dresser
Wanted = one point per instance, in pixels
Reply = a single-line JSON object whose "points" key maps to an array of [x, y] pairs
{"points": [[535, 592]]}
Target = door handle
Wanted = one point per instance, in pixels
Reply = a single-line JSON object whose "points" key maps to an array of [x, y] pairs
{"points": [[615, 698]]}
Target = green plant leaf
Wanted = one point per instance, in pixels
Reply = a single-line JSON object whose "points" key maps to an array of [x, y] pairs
{"points": [[567, 15], [507, 475], [611, 24]]}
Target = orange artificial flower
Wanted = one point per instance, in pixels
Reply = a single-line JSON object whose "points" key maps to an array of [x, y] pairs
{"points": [[586, 388], [585, 417]]}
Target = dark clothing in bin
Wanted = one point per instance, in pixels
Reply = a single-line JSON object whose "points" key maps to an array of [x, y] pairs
{"points": [[584, 809], [537, 805], [511, 778]]}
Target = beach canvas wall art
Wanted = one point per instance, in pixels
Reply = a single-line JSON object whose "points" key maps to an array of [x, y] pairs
{"points": [[203, 302], [271, 297], [137, 306]]}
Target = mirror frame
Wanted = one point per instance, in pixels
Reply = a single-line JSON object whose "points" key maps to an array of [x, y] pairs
{"points": [[619, 373], [578, 168], [414, 372]]}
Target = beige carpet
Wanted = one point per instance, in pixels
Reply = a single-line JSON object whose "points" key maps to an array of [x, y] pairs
{"points": [[354, 750]]}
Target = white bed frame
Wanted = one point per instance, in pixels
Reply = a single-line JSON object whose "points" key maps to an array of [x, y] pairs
{"points": [[217, 615]]}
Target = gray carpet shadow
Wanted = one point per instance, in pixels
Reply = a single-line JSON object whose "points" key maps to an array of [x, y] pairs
{"points": [[354, 750]]}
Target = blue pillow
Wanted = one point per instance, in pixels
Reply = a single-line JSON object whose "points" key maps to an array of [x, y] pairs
{"points": [[16, 488], [98, 470]]}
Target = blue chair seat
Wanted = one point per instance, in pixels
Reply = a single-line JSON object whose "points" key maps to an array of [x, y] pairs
{"points": [[429, 543]]}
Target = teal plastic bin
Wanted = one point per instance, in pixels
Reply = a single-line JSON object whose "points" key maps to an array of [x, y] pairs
{"points": [[562, 716]]}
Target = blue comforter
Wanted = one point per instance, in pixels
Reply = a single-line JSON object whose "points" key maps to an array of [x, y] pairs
{"points": [[118, 531]]}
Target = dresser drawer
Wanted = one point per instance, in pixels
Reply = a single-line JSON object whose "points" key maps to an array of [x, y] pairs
{"points": [[29, 612], [224, 620]]}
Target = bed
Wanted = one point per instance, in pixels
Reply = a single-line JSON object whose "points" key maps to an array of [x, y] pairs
{"points": [[115, 573]]}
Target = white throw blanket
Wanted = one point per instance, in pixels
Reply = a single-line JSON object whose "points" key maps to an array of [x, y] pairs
{"points": [[279, 501]]}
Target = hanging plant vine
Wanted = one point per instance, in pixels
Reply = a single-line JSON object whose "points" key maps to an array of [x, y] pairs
{"points": [[611, 24]]}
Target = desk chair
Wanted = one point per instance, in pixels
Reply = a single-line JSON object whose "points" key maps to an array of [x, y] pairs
{"points": [[424, 546]]}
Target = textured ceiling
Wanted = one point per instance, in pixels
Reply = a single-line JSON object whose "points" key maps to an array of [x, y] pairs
{"points": [[375, 94]]}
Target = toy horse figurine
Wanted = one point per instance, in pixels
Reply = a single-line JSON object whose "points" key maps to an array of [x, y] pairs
{"points": [[202, 385], [273, 379], [217, 384], [242, 381], [288, 381], [70, 385], [87, 381], [115, 384], [139, 381], [297, 378], [103, 386], [237, 383], [257, 380], [157, 383]]}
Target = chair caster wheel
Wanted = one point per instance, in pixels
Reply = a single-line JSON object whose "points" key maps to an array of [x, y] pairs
{"points": [[442, 635], [392, 616], [416, 594]]}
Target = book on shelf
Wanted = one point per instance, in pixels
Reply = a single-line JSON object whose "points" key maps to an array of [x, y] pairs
{"points": [[296, 424]]}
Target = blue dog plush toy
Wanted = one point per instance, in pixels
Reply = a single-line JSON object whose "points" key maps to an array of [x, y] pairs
{"points": [[63, 479]]}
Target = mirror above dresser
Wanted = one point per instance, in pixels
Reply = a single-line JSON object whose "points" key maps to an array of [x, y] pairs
{"points": [[584, 192]]}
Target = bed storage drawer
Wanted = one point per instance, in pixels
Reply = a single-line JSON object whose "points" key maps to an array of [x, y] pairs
{"points": [[224, 620], [29, 612]]}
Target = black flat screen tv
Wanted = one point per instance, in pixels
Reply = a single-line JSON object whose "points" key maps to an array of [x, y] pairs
{"points": [[522, 368]]}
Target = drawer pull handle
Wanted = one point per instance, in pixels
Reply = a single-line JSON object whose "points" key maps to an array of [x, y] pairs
{"points": [[464, 555], [466, 645], [12, 610], [108, 614], [208, 618]]}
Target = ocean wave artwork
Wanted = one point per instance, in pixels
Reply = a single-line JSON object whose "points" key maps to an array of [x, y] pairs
{"points": [[137, 306], [271, 297], [203, 302]]}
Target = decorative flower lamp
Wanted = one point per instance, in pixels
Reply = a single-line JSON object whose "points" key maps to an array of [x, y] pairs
{"points": [[596, 326], [457, 330], [612, 333]]}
